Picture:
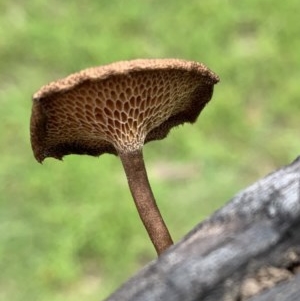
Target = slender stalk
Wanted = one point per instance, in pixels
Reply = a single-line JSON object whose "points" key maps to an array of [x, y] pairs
{"points": [[135, 170]]}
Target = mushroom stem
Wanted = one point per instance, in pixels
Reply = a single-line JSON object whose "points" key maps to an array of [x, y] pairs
{"points": [[139, 185]]}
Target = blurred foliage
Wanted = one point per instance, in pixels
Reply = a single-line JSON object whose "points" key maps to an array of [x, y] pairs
{"points": [[69, 230]]}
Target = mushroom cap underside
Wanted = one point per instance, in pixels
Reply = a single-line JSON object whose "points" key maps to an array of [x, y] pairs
{"points": [[118, 107]]}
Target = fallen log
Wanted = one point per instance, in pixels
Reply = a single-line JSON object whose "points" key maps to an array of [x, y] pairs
{"points": [[247, 250]]}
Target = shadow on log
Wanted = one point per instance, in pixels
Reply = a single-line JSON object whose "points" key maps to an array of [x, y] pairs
{"points": [[248, 250]]}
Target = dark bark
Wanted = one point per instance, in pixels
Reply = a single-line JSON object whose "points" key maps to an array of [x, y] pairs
{"points": [[248, 250]]}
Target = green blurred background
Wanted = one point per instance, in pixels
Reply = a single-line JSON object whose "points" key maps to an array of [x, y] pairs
{"points": [[69, 230]]}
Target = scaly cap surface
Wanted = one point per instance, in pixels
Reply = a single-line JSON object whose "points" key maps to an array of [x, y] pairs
{"points": [[117, 107]]}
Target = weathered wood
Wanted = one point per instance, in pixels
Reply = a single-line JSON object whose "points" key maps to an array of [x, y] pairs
{"points": [[286, 291], [248, 250]]}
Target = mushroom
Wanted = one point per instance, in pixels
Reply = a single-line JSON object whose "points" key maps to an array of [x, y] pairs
{"points": [[116, 109]]}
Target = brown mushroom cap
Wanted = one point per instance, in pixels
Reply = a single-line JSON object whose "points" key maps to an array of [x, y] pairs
{"points": [[118, 107]]}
